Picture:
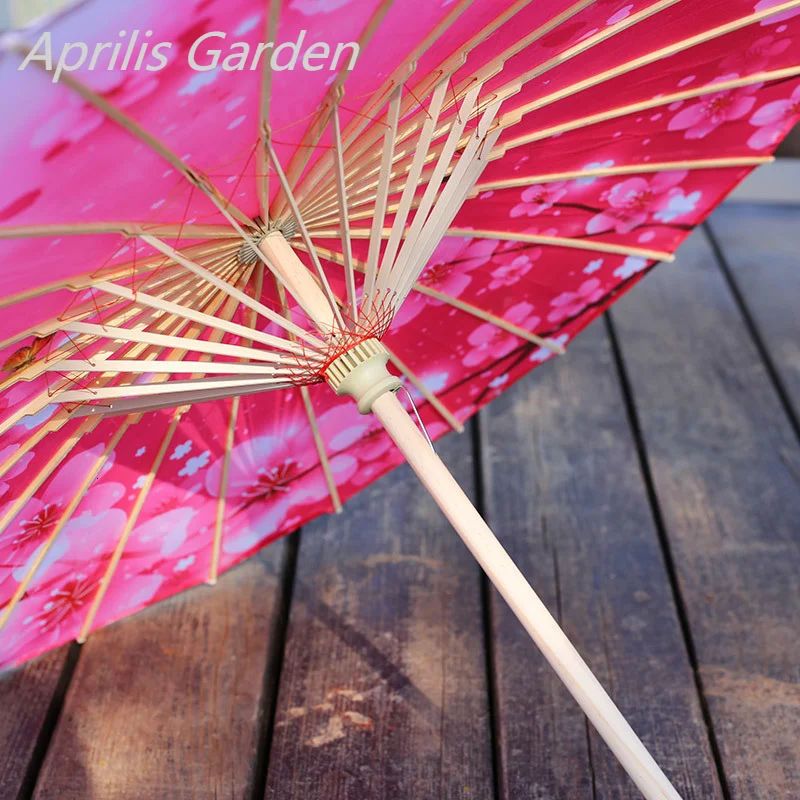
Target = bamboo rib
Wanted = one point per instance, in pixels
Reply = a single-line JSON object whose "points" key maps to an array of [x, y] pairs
{"points": [[368, 193], [119, 366], [316, 176], [379, 212], [86, 309], [344, 224], [82, 282], [33, 406], [262, 181], [131, 229], [668, 99], [364, 152], [556, 241], [319, 443], [135, 405], [250, 302], [216, 544], [228, 309], [44, 473], [429, 396], [70, 509], [193, 345], [396, 232], [470, 166], [178, 291], [133, 127], [129, 526], [623, 169], [169, 387], [478, 313], [59, 456], [319, 122], [649, 58], [499, 322], [551, 241]]}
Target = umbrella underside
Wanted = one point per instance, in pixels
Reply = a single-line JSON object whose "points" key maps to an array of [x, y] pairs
{"points": [[485, 182]]}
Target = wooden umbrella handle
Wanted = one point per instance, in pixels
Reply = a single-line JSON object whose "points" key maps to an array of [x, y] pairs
{"points": [[524, 602]]}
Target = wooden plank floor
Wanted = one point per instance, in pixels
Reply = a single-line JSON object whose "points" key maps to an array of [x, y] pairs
{"points": [[648, 484]]}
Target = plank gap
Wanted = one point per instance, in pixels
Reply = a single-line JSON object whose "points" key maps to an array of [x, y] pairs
{"points": [[272, 673], [591, 758], [486, 608], [50, 722], [666, 551], [752, 329]]}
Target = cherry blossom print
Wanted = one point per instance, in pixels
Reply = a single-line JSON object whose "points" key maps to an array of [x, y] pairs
{"points": [[570, 304], [630, 266], [42, 513], [700, 119], [542, 354], [491, 343], [593, 266], [270, 478], [756, 57], [635, 201], [773, 119], [513, 267], [593, 165], [453, 260], [72, 597], [538, 198], [19, 467]]}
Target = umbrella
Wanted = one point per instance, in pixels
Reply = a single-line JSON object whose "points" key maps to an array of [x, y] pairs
{"points": [[222, 221]]}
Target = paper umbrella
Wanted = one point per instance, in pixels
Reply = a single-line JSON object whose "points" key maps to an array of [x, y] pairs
{"points": [[213, 246]]}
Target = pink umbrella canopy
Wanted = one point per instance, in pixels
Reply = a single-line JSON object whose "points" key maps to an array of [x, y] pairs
{"points": [[470, 183]]}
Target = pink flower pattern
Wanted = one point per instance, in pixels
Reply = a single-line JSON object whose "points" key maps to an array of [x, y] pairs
{"points": [[700, 119], [634, 201], [570, 304], [490, 343], [539, 198], [773, 119]]}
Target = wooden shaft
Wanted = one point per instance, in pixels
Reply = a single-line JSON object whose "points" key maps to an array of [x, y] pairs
{"points": [[298, 280], [524, 602]]}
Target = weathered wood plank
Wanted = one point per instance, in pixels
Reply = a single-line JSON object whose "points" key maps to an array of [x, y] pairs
{"points": [[567, 498], [761, 245], [27, 698], [384, 691], [725, 464], [169, 703]]}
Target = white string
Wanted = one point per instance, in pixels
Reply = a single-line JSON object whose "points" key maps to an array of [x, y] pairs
{"points": [[419, 418]]}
